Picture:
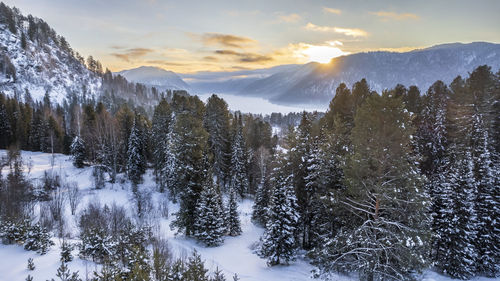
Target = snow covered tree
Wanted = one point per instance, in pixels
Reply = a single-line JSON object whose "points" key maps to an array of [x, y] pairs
{"points": [[233, 217], [216, 122], [458, 256], [78, 152], [484, 92], [239, 173], [66, 249], [262, 198], [432, 138], [209, 225], [386, 237], [136, 159], [278, 244]]}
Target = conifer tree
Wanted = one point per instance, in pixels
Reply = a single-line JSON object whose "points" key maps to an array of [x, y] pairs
{"points": [[458, 256], [239, 174], [385, 199], [233, 217], [160, 131], [216, 122], [209, 224], [78, 152], [190, 151], [136, 160], [262, 198], [278, 242]]}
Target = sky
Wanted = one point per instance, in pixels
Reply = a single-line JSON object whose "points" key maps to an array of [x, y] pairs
{"points": [[190, 36]]}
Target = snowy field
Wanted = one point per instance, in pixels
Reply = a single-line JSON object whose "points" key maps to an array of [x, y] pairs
{"points": [[234, 256], [258, 105]]}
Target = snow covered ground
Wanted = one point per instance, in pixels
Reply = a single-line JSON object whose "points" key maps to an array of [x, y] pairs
{"points": [[234, 256]]}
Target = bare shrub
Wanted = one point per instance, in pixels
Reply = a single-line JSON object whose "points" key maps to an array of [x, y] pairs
{"points": [[56, 204], [74, 196]]}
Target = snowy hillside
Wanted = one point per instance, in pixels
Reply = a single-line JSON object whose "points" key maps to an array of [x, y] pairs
{"points": [[41, 67], [236, 255], [154, 76]]}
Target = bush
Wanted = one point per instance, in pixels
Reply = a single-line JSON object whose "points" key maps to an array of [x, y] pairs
{"points": [[34, 237], [38, 239]]}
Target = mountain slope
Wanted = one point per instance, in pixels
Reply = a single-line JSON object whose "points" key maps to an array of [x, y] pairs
{"points": [[154, 76], [383, 70], [40, 61]]}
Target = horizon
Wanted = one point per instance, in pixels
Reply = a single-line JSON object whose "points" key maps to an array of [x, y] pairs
{"points": [[227, 37]]}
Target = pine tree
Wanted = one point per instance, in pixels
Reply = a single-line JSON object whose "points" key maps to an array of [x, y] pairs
{"points": [[209, 225], [233, 218], [216, 122], [160, 130], [384, 196], [239, 174], [136, 160], [278, 242], [190, 143]]}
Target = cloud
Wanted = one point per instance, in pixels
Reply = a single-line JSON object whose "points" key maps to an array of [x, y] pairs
{"points": [[132, 53], [354, 32], [289, 18], [244, 57], [386, 16], [117, 47], [210, 58], [225, 40], [332, 11]]}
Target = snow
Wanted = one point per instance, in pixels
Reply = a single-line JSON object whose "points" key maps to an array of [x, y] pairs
{"points": [[236, 255], [257, 105]]}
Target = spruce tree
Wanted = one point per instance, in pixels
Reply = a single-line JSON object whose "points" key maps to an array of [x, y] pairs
{"points": [[78, 152], [209, 225], [459, 255], [239, 174], [136, 160], [278, 243], [233, 217], [262, 198]]}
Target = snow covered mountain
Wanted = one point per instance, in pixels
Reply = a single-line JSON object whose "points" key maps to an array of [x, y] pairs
{"points": [[34, 58], [316, 83], [155, 76]]}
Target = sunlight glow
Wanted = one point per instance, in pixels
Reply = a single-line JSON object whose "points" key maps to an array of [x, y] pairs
{"points": [[321, 53]]}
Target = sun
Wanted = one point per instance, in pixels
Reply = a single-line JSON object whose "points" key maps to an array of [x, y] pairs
{"points": [[322, 54]]}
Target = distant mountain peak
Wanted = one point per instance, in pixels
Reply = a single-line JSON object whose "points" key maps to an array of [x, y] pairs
{"points": [[156, 77]]}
